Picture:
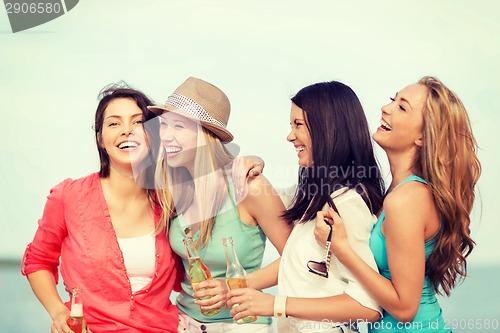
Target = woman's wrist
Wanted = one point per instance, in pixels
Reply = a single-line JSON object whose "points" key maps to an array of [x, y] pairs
{"points": [[280, 306], [60, 309], [345, 254], [249, 280]]}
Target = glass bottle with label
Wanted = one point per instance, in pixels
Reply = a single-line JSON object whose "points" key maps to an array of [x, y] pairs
{"points": [[198, 272], [236, 276], [76, 321]]}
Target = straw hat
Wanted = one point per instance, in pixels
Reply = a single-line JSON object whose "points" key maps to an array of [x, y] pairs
{"points": [[202, 102]]}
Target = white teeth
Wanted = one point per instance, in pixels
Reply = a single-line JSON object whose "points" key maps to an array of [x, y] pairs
{"points": [[385, 125], [128, 144], [299, 149], [172, 150]]}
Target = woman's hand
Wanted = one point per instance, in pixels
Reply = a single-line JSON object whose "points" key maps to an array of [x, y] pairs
{"points": [[250, 302], [245, 168], [59, 324], [339, 242], [216, 288]]}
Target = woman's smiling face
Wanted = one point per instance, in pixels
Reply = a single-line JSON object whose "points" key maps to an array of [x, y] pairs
{"points": [[402, 120], [179, 136], [123, 136], [299, 136]]}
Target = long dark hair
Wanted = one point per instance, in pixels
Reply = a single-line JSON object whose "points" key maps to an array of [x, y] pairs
{"points": [[342, 151], [122, 90]]}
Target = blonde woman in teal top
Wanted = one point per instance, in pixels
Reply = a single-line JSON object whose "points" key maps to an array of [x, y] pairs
{"points": [[422, 237], [249, 242], [429, 315], [196, 192]]}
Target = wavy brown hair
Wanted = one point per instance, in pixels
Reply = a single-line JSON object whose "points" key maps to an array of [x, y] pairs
{"points": [[448, 162]]}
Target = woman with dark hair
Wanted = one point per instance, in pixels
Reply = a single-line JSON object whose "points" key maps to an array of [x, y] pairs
{"points": [[110, 93], [422, 236], [101, 228], [337, 168]]}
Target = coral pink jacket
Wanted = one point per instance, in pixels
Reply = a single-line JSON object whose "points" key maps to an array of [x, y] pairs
{"points": [[76, 228]]}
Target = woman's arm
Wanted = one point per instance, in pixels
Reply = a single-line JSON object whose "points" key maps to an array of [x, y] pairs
{"points": [[44, 286], [354, 304], [338, 308], [261, 206], [265, 277], [407, 209], [264, 206], [41, 258]]}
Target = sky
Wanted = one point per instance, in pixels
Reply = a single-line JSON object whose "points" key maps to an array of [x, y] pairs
{"points": [[260, 53]]}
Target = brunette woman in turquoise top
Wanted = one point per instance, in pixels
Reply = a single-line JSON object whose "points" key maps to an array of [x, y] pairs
{"points": [[422, 237]]}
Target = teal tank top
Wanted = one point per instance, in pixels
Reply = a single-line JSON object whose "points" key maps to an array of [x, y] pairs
{"points": [[249, 242], [429, 315]]}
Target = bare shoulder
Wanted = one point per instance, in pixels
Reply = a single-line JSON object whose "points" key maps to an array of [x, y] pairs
{"points": [[260, 186], [262, 203], [412, 195], [412, 203]]}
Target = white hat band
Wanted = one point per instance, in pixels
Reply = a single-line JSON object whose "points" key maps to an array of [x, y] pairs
{"points": [[192, 108]]}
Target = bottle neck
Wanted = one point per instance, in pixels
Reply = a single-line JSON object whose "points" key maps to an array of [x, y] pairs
{"points": [[231, 256], [234, 268], [191, 250], [76, 303]]}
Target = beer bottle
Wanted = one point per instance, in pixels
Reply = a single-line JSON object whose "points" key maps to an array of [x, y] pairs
{"points": [[236, 276], [76, 321], [198, 272]]}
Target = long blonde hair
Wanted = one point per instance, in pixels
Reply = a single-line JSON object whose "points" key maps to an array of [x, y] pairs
{"points": [[176, 189], [448, 161]]}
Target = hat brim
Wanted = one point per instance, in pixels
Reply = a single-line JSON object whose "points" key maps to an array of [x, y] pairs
{"points": [[223, 134]]}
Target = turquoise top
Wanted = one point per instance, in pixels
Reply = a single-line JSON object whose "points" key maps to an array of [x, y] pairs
{"points": [[429, 315], [249, 242]]}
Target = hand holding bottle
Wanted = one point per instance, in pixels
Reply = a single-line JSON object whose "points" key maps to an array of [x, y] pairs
{"points": [[247, 302], [65, 320], [76, 321], [236, 276], [198, 273], [216, 289], [59, 320]]}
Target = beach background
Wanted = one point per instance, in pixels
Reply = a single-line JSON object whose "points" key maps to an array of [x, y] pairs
{"points": [[472, 307], [260, 53]]}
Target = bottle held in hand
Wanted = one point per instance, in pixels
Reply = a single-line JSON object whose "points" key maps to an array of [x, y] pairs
{"points": [[198, 272], [76, 321], [236, 276]]}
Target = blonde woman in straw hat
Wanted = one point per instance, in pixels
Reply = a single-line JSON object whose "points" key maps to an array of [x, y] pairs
{"points": [[196, 191]]}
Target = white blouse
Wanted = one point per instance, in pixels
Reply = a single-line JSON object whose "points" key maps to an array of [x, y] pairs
{"points": [[139, 258], [294, 278]]}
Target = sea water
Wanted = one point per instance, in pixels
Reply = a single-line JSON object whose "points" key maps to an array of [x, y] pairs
{"points": [[472, 307]]}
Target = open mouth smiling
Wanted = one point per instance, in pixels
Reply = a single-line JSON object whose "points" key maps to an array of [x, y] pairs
{"points": [[128, 145]]}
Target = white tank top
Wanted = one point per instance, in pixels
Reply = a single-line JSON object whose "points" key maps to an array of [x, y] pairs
{"points": [[139, 258]]}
